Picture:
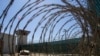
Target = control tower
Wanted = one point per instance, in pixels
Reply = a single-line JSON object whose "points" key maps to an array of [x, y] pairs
{"points": [[22, 36]]}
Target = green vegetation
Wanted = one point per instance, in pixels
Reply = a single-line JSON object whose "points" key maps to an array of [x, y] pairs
{"points": [[95, 6]]}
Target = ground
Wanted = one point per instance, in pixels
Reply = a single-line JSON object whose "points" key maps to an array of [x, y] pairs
{"points": [[41, 54]]}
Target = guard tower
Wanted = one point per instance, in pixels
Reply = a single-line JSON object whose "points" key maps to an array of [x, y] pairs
{"points": [[22, 36]]}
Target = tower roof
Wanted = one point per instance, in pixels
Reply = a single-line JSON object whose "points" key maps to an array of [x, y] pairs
{"points": [[22, 32]]}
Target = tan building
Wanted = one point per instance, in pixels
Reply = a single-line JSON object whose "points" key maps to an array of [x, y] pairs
{"points": [[22, 36], [8, 42]]}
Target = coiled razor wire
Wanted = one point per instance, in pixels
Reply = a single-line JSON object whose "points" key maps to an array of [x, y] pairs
{"points": [[78, 21]]}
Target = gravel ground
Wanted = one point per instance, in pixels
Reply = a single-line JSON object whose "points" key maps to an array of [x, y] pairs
{"points": [[41, 54]]}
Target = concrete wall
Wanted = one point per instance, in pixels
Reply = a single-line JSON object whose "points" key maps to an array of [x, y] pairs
{"points": [[22, 40], [9, 43]]}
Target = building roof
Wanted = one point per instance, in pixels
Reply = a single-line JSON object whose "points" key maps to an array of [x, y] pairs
{"points": [[22, 32]]}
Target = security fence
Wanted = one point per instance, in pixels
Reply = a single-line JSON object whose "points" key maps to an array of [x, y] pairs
{"points": [[52, 28]]}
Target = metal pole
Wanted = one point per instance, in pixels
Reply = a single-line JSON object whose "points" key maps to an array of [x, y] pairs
{"points": [[65, 31]]}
